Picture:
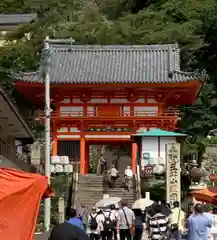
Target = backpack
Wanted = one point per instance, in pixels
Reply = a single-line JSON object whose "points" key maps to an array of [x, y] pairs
{"points": [[108, 224], [93, 223]]}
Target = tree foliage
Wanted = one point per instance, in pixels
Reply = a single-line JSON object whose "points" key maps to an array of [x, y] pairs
{"points": [[191, 23]]}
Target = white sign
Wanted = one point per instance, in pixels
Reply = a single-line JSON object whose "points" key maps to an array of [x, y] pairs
{"points": [[173, 173]]}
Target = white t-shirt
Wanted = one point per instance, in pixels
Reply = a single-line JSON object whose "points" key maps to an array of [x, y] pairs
{"points": [[128, 173], [99, 220], [214, 224]]}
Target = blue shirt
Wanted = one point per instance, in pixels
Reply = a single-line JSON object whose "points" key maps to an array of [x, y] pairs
{"points": [[209, 216], [76, 222], [198, 227]]}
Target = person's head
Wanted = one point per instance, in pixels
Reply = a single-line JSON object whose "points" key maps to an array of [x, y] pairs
{"points": [[124, 203], [198, 208], [137, 212], [214, 210], [117, 206], [157, 209], [112, 207], [128, 167], [98, 210], [113, 166], [72, 213], [93, 209], [207, 208], [176, 204]]}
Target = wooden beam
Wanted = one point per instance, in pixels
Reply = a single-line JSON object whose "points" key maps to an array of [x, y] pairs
{"points": [[113, 85]]}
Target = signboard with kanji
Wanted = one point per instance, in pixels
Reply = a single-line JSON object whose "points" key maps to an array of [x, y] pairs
{"points": [[173, 171], [148, 170]]}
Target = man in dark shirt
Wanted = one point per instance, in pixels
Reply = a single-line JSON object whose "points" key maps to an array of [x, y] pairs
{"points": [[103, 164], [66, 231]]}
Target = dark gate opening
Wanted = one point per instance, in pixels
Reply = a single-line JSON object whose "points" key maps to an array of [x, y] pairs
{"points": [[70, 149]]}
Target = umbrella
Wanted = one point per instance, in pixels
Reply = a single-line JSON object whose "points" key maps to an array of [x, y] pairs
{"points": [[142, 203], [108, 201], [206, 195], [164, 209]]}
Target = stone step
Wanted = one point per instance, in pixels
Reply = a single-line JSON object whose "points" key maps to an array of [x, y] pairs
{"points": [[90, 189]]}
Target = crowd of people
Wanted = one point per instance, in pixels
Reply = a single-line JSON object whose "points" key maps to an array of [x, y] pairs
{"points": [[199, 224], [159, 221]]}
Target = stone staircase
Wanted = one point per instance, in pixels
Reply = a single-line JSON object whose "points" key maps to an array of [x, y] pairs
{"points": [[119, 191], [91, 188]]}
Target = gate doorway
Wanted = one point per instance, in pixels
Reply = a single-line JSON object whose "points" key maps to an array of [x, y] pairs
{"points": [[119, 155], [70, 149]]}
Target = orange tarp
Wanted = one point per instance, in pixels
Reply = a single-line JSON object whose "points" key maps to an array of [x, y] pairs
{"points": [[206, 195], [20, 196]]}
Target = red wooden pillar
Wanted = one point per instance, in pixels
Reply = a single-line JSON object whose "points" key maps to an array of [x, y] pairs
{"points": [[54, 140], [82, 155], [87, 158], [134, 157]]}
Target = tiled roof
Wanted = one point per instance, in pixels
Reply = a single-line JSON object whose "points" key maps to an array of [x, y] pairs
{"points": [[15, 19], [113, 64]]}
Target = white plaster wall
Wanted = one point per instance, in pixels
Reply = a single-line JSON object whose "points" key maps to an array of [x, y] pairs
{"points": [[145, 111], [118, 100], [150, 145], [98, 100], [71, 111]]}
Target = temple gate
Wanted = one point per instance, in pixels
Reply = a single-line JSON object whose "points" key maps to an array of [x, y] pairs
{"points": [[104, 94]]}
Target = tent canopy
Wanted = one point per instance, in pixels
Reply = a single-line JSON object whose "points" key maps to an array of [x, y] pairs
{"points": [[20, 196]]}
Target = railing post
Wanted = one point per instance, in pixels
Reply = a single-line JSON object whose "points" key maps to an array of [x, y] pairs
{"points": [[61, 209]]}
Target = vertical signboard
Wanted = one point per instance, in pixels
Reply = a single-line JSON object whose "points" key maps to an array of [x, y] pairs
{"points": [[173, 171]]}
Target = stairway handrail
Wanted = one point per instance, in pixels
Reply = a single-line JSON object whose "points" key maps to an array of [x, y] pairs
{"points": [[137, 182], [75, 178]]}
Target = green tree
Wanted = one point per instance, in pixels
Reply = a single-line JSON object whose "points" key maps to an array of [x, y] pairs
{"points": [[191, 23]]}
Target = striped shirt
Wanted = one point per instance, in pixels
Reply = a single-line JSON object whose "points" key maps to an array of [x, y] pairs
{"points": [[158, 226]]}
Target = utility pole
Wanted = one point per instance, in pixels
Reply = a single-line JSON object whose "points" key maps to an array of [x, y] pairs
{"points": [[46, 59]]}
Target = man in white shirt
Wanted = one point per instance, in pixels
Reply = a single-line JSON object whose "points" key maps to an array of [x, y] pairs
{"points": [[128, 175], [108, 224], [177, 219], [95, 224], [113, 175]]}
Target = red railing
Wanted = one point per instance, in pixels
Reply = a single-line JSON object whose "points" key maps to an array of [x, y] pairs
{"points": [[10, 153], [93, 114]]}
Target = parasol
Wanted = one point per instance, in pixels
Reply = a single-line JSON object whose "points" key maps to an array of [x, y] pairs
{"points": [[108, 201], [142, 203], [206, 195]]}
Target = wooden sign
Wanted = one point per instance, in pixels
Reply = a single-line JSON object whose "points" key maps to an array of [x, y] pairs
{"points": [[148, 170], [173, 173]]}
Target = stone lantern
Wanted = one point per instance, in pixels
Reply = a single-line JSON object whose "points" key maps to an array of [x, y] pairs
{"points": [[198, 176]]}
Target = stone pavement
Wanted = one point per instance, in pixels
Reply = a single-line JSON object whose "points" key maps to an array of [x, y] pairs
{"points": [[44, 236]]}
